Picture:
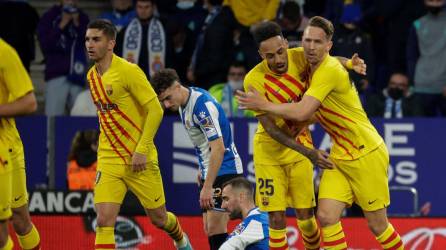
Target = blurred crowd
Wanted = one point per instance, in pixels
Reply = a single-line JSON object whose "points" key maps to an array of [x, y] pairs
{"points": [[209, 43]]}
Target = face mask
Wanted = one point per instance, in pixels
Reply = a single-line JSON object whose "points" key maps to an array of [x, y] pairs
{"points": [[235, 85], [395, 93], [184, 5], [434, 10]]}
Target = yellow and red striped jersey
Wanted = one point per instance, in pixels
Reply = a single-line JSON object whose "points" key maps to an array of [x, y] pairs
{"points": [[283, 88], [119, 95], [14, 84], [341, 113]]}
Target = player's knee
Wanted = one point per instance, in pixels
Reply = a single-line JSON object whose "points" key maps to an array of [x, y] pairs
{"points": [[377, 226], [21, 222], [277, 219], [326, 218]]}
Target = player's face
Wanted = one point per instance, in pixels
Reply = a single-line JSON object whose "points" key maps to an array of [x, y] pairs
{"points": [[274, 51], [316, 44], [144, 10], [97, 44], [231, 203], [171, 98]]}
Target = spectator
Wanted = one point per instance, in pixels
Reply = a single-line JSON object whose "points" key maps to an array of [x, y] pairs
{"points": [[426, 54], [61, 34], [349, 38], [395, 101], [225, 92], [249, 12], [84, 106], [81, 172], [293, 23], [145, 41], [122, 13], [191, 15], [18, 26], [214, 49]]}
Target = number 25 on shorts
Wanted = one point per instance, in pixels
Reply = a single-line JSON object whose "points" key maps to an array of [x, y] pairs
{"points": [[266, 186]]}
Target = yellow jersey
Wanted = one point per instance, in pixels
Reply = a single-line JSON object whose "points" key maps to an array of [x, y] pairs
{"points": [[247, 14], [14, 84], [341, 113], [119, 95], [282, 88]]}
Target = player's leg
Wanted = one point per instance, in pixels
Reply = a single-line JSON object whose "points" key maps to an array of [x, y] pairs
{"points": [[271, 195], [301, 195], [334, 195], [216, 224], [5, 199], [27, 233], [154, 202], [109, 191], [369, 180]]}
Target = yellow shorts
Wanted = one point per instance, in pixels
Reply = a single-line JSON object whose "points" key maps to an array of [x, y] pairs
{"points": [[18, 175], [282, 186], [363, 181], [5, 183], [112, 182]]}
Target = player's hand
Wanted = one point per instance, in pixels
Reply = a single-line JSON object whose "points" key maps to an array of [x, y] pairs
{"points": [[321, 159], [358, 64], [206, 198], [251, 100], [139, 162]]}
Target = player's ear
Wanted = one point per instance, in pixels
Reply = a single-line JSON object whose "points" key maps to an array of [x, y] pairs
{"points": [[111, 44], [286, 43], [330, 44], [261, 54]]}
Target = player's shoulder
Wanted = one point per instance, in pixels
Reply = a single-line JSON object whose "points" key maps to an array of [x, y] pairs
{"points": [[7, 52], [256, 74], [122, 65], [331, 66]]}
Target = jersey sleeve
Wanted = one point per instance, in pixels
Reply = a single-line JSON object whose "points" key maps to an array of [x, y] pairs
{"points": [[139, 86], [252, 234], [15, 75], [206, 117], [255, 80], [322, 83]]}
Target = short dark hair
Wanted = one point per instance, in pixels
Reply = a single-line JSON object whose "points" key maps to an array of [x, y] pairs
{"points": [[163, 79], [240, 183], [105, 26], [291, 11], [324, 24], [265, 31], [238, 64], [151, 1]]}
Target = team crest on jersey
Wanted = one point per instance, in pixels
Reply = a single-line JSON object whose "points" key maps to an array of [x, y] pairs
{"points": [[109, 89], [265, 201]]}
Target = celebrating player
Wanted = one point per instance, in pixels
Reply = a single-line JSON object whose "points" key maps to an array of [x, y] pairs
{"points": [[16, 98], [359, 153], [129, 115], [210, 132]]}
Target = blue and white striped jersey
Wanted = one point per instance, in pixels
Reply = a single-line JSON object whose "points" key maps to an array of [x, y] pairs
{"points": [[205, 121], [252, 233]]}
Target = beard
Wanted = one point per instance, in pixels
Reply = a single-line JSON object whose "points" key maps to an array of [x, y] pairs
{"points": [[234, 215]]}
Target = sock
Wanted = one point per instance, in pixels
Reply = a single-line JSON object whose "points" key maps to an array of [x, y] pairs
{"points": [[215, 241], [310, 232], [390, 239], [334, 237], [277, 239], [105, 238], [9, 244], [30, 241], [173, 228]]}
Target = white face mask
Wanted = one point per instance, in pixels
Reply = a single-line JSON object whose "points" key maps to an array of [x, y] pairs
{"points": [[236, 85], [184, 5]]}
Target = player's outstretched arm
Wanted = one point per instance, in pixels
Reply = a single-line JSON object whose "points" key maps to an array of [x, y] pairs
{"points": [[24, 105], [356, 63], [151, 125], [300, 112], [316, 157]]}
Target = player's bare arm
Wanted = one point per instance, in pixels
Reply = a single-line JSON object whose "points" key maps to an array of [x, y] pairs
{"points": [[356, 63], [26, 104], [217, 154], [317, 157], [153, 120]]}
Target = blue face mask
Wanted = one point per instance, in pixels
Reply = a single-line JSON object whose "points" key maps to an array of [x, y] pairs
{"points": [[184, 5]]}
